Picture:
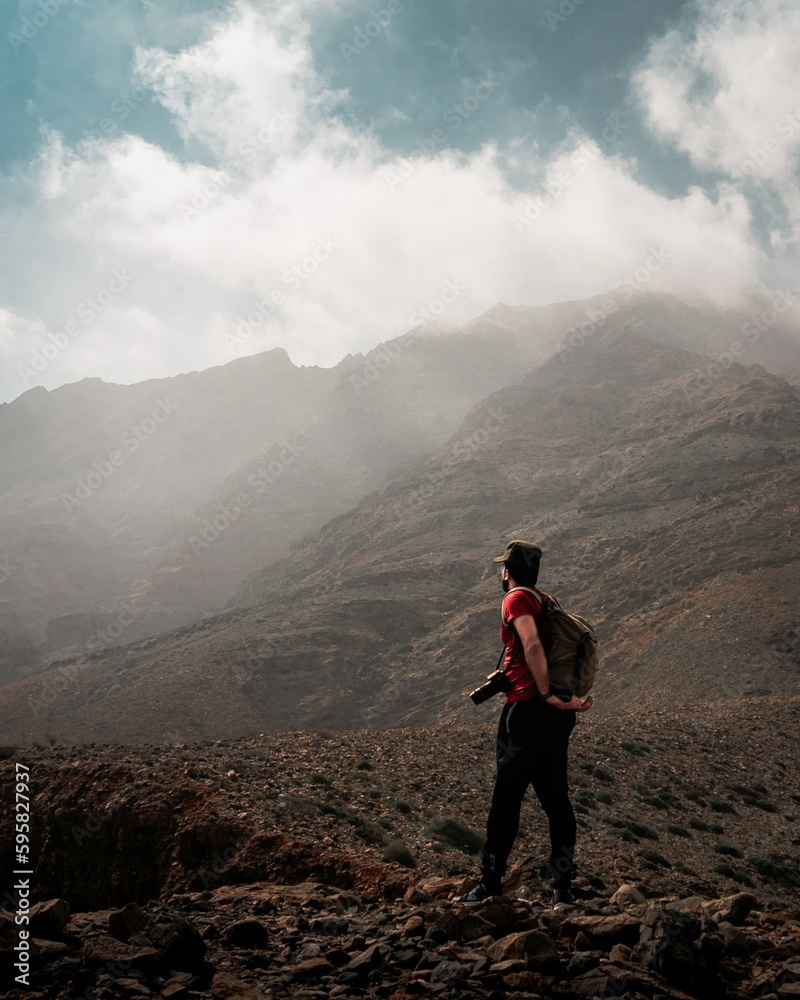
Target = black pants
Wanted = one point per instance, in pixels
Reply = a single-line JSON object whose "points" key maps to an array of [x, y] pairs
{"points": [[532, 745]]}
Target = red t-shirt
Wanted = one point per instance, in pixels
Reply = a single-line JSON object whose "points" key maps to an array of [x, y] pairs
{"points": [[517, 603]]}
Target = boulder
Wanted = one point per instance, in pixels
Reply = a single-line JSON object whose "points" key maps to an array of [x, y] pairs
{"points": [[621, 928], [537, 949], [249, 933], [683, 948], [463, 924], [627, 896], [48, 919]]}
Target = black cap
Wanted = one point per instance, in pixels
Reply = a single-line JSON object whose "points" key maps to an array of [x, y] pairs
{"points": [[519, 553]]}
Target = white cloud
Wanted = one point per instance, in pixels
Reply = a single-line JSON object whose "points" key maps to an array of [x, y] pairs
{"points": [[351, 242], [727, 92]]}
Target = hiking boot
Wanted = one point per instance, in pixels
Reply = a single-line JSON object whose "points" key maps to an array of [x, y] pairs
{"points": [[562, 897], [478, 894]]}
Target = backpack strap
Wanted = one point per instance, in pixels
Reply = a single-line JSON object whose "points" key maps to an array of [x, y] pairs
{"points": [[542, 598]]}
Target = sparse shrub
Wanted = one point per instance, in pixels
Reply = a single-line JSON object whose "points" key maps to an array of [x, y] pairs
{"points": [[642, 830], [604, 797], [596, 882], [656, 801], [628, 836], [330, 810], [756, 795], [6, 752], [403, 807], [721, 805], [601, 774], [365, 765], [679, 831], [697, 824], [580, 807], [316, 778], [635, 748], [694, 796], [794, 796], [667, 795], [368, 832], [730, 849], [386, 824], [457, 834], [401, 854], [653, 859], [773, 869], [717, 828], [736, 876]]}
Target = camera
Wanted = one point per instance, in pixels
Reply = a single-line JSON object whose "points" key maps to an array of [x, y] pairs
{"points": [[496, 682]]}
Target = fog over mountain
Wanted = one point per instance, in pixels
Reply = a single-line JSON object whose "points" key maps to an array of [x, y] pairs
{"points": [[345, 518]]}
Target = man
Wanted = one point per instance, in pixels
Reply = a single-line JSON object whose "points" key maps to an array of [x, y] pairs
{"points": [[532, 738]]}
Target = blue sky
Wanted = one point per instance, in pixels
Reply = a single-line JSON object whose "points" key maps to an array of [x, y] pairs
{"points": [[184, 183]]}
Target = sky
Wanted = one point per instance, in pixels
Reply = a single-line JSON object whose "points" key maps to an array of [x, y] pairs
{"points": [[184, 183]]}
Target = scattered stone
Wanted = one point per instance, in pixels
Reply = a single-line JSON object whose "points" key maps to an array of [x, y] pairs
{"points": [[103, 949], [536, 949], [48, 919], [620, 953], [622, 928], [683, 948], [125, 922], [628, 895], [248, 933], [227, 987]]}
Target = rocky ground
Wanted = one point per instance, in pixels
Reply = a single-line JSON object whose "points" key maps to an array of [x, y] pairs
{"points": [[313, 940], [322, 864]]}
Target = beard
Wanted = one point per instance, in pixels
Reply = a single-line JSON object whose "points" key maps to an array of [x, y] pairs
{"points": [[505, 585]]}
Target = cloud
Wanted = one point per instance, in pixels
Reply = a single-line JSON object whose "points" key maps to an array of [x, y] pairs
{"points": [[286, 225], [725, 91]]}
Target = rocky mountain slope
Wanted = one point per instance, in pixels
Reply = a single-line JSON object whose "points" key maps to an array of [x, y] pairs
{"points": [[321, 864], [666, 504], [126, 510]]}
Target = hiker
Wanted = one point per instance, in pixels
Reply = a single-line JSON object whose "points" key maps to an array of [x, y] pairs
{"points": [[532, 738]]}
